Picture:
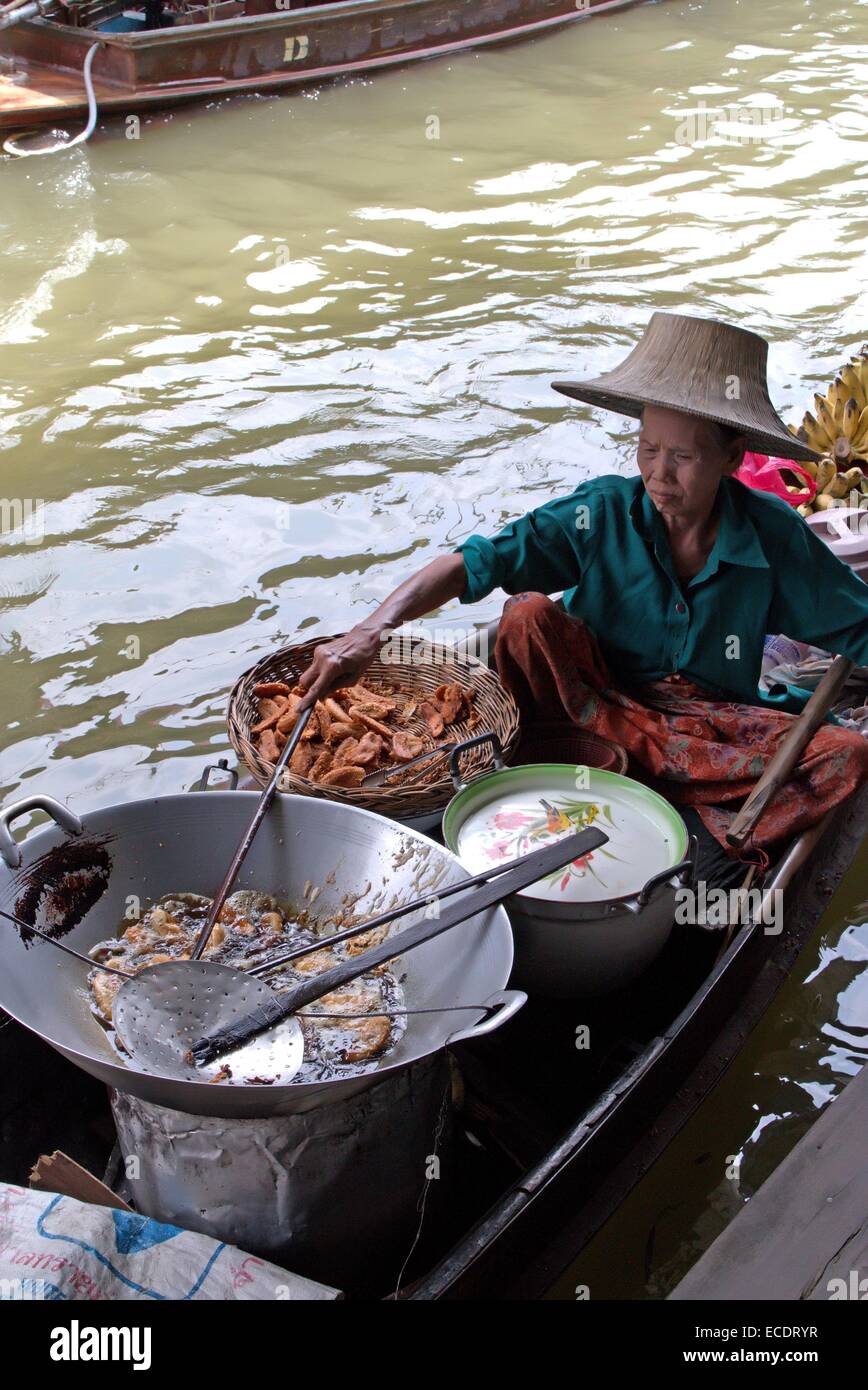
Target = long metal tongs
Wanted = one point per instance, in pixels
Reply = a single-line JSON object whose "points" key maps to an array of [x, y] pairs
{"points": [[250, 834], [62, 946], [382, 919], [385, 774]]}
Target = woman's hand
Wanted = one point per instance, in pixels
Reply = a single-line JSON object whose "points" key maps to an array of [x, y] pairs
{"points": [[343, 660], [339, 662]]}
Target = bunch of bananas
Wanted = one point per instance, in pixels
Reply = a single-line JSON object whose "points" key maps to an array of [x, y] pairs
{"points": [[838, 431], [840, 426], [834, 487]]}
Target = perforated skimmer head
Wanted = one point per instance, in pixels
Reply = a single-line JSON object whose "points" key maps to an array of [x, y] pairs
{"points": [[162, 1011]]}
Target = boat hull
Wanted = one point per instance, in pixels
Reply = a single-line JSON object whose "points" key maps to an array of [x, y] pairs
{"points": [[539, 1226], [255, 53]]}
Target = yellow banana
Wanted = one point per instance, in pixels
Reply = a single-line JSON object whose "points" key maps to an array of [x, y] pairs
{"points": [[858, 490], [851, 418], [853, 382], [860, 434], [836, 399], [814, 435], [826, 471], [825, 501], [825, 418], [859, 367]]}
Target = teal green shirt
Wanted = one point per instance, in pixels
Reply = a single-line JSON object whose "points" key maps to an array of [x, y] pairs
{"points": [[606, 547]]}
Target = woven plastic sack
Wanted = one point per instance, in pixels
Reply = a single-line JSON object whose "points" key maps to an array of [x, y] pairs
{"points": [[54, 1247]]}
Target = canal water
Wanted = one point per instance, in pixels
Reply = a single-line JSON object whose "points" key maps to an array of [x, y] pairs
{"points": [[266, 358]]}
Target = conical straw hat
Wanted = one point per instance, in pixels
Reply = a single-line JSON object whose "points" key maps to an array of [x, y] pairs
{"points": [[701, 367]]}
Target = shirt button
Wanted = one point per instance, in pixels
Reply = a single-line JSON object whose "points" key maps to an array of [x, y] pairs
{"points": [[680, 608]]}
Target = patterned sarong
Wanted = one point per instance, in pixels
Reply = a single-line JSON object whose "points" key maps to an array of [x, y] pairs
{"points": [[692, 748]]}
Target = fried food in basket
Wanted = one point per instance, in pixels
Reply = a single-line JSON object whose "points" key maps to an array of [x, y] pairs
{"points": [[358, 729]]}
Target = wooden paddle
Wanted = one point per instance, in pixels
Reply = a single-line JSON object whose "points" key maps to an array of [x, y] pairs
{"points": [[782, 764]]}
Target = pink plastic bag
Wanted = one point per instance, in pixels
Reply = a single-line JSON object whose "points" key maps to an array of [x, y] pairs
{"points": [[767, 475]]}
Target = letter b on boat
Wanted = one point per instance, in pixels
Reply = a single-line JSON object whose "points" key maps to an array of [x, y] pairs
{"points": [[296, 48]]}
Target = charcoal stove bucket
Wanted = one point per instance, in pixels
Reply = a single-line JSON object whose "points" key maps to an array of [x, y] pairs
{"points": [[332, 1193]]}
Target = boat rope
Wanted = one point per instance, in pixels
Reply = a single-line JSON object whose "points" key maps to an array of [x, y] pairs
{"points": [[11, 145]]}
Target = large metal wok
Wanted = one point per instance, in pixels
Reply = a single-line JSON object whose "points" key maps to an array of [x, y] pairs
{"points": [[78, 878]]}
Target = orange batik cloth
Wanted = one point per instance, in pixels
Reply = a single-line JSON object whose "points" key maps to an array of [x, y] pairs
{"points": [[694, 749]]}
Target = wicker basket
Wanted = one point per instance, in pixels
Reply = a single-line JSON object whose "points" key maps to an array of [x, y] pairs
{"points": [[427, 790], [563, 742]]}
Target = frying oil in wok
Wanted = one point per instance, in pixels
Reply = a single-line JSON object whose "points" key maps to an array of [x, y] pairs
{"points": [[346, 1032]]}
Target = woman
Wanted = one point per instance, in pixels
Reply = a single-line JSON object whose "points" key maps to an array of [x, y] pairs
{"points": [[671, 582]]}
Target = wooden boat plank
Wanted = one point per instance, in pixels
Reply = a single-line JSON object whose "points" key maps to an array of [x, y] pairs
{"points": [[764, 1253], [50, 94]]}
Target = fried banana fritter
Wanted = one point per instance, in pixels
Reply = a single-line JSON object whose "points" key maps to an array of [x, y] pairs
{"points": [[251, 929]]}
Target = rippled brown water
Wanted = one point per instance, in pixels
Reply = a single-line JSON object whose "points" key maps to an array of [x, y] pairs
{"points": [[261, 362]]}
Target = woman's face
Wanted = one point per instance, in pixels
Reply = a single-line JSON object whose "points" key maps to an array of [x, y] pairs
{"points": [[682, 461]]}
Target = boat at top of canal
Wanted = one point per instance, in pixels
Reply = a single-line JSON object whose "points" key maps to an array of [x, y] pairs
{"points": [[153, 54]]}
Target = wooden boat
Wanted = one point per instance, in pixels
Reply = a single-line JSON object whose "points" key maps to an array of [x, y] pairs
{"points": [[579, 1134], [228, 46], [551, 1138]]}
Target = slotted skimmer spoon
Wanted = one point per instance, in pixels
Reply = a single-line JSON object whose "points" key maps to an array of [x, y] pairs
{"points": [[176, 1018]]}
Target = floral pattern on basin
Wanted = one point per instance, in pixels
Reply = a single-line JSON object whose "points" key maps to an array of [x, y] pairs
{"points": [[522, 817], [515, 833]]}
